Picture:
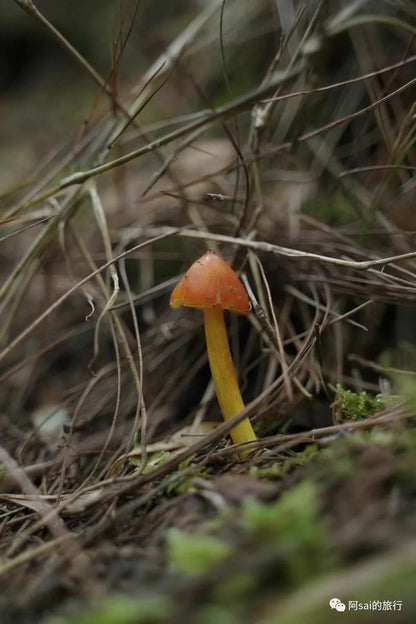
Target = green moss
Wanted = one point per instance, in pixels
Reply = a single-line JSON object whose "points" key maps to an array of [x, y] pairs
{"points": [[277, 471], [337, 209], [235, 588], [267, 472], [299, 459], [122, 610], [407, 389], [194, 553], [357, 405], [216, 613], [179, 483], [335, 462], [293, 523]]}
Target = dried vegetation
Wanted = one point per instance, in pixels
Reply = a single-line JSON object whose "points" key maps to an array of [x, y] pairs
{"points": [[282, 135]]}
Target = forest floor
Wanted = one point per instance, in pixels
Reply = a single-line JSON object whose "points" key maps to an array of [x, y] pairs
{"points": [[283, 140]]}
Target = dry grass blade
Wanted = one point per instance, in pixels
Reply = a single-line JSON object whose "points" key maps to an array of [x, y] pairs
{"points": [[282, 136]]}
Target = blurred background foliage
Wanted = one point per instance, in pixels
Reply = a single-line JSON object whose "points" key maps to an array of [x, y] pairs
{"points": [[93, 378]]}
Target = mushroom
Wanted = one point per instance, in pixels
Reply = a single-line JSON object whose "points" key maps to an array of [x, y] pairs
{"points": [[210, 284]]}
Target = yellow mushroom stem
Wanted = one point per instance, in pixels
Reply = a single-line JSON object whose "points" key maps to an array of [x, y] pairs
{"points": [[223, 374]]}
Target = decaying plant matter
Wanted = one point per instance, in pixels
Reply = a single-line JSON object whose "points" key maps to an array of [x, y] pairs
{"points": [[280, 136]]}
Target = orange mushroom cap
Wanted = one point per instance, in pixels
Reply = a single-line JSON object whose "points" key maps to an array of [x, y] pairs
{"points": [[208, 283]]}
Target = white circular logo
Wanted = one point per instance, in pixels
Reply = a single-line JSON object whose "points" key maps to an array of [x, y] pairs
{"points": [[335, 603]]}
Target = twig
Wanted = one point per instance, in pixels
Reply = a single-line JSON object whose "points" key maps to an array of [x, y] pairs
{"points": [[70, 547], [277, 250]]}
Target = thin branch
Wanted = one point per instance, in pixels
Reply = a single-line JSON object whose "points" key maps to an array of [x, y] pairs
{"points": [[68, 542], [277, 250]]}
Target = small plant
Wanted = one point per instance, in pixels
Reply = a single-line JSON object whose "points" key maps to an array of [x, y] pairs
{"points": [[356, 405]]}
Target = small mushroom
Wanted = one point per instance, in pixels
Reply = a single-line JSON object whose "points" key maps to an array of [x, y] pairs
{"points": [[211, 285]]}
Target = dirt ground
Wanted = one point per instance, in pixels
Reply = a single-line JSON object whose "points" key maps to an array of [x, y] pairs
{"points": [[134, 137]]}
